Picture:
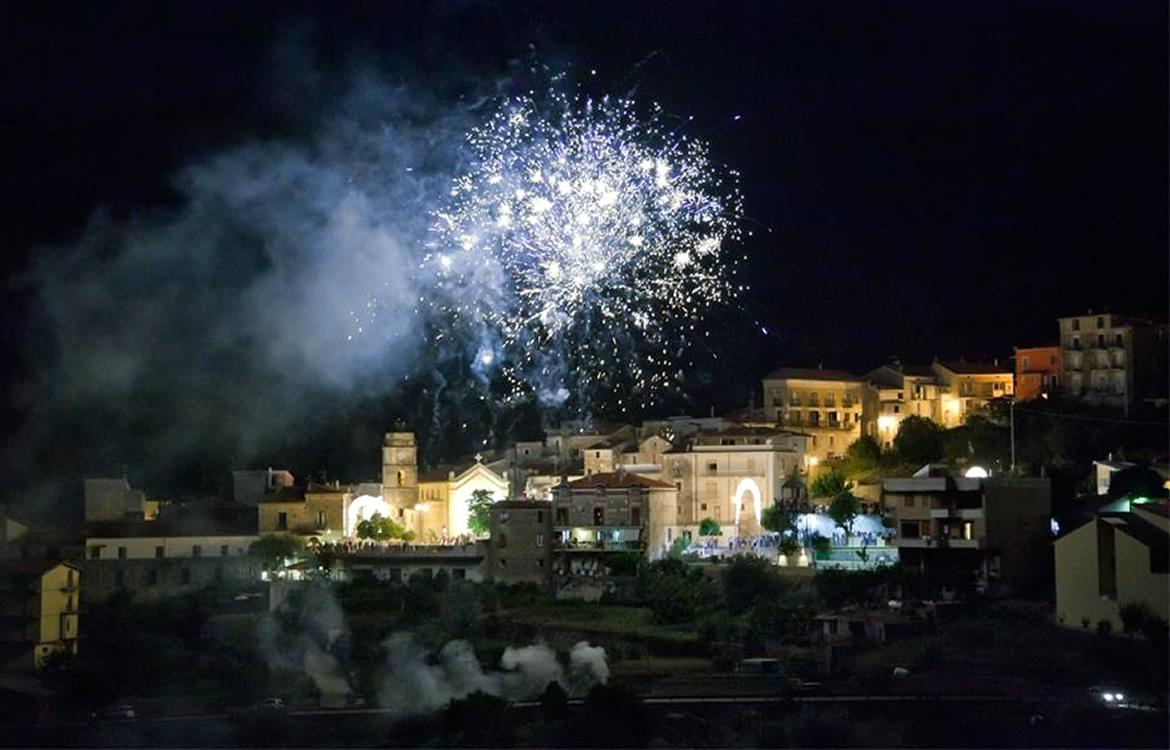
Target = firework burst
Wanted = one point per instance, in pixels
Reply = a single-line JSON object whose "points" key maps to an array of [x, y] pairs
{"points": [[582, 248]]}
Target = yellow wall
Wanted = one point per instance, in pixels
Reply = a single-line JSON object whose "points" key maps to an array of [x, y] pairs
{"points": [[303, 515], [57, 628], [1077, 588], [1135, 582], [1077, 594]]}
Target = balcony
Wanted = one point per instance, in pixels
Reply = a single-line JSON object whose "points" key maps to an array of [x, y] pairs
{"points": [[931, 542], [968, 514]]}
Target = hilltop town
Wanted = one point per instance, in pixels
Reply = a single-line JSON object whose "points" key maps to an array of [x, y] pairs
{"points": [[813, 537]]}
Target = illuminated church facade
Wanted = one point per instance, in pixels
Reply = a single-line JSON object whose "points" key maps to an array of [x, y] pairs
{"points": [[434, 506]]}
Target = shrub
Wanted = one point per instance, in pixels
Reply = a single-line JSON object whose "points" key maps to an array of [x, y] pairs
{"points": [[1134, 616]]}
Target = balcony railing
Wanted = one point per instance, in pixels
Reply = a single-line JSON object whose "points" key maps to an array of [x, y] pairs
{"points": [[931, 542], [594, 546], [964, 513]]}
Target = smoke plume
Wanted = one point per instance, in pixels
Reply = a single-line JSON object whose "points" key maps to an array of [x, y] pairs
{"points": [[415, 683], [281, 280]]}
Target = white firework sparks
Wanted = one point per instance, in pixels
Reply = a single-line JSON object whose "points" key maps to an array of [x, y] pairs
{"points": [[587, 241]]}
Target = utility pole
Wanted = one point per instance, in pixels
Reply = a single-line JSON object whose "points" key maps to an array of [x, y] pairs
{"points": [[1012, 412]]}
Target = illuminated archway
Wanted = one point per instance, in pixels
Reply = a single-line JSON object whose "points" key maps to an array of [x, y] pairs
{"points": [[747, 485], [363, 508]]}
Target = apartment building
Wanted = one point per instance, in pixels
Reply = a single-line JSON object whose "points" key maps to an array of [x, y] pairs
{"points": [[966, 388], [999, 529], [896, 391], [39, 602], [1038, 371], [617, 511], [521, 549], [824, 404], [1113, 360]]}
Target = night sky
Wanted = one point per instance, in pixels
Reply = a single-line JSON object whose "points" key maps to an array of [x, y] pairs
{"points": [[920, 179]]}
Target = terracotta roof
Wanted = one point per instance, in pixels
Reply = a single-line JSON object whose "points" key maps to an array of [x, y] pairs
{"points": [[618, 480], [811, 373]]}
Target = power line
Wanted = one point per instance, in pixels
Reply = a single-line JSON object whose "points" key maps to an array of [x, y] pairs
{"points": [[1091, 419]]}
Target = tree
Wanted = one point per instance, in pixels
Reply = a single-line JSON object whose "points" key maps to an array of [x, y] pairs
{"points": [[709, 527], [778, 519], [478, 720], [479, 512], [273, 548], [747, 578], [678, 547], [979, 440], [378, 528], [1134, 616], [864, 452], [844, 509], [782, 521], [830, 484], [919, 440]]}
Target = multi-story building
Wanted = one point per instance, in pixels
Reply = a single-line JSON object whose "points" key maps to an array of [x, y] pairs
{"points": [[521, 548], [1037, 371], [997, 528], [604, 513], [171, 555], [1114, 558], [896, 391], [967, 387], [1113, 360], [648, 458], [824, 404], [731, 475], [38, 612]]}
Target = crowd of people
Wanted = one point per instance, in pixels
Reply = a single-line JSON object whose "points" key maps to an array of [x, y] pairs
{"points": [[355, 546]]}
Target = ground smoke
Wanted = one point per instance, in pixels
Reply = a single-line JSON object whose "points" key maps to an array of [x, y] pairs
{"points": [[416, 684]]}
